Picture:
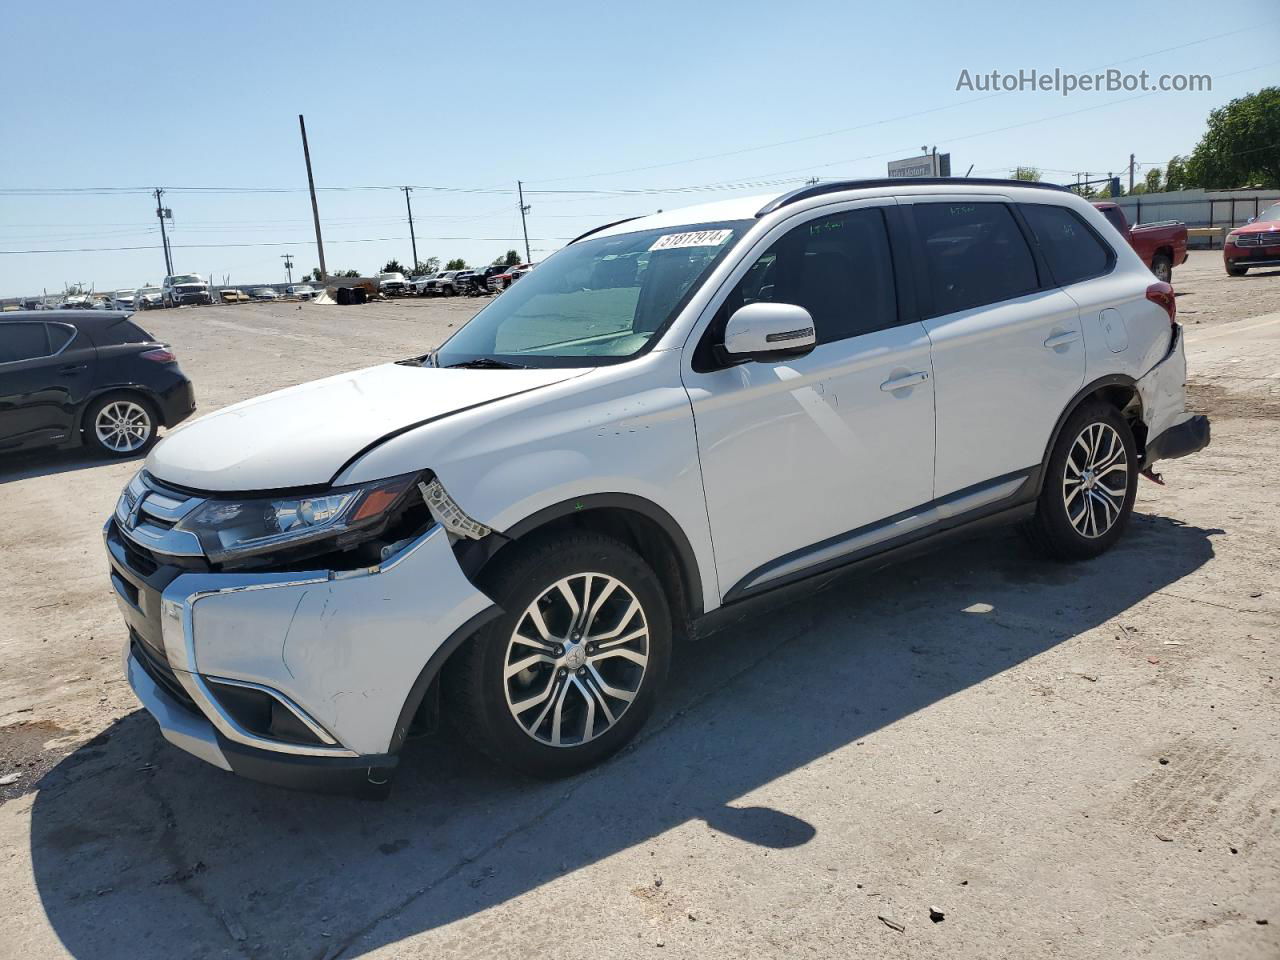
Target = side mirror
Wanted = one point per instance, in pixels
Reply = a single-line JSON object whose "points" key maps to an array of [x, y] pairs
{"points": [[768, 332], [1251, 219]]}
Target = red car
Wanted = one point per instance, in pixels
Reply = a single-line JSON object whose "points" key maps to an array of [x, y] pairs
{"points": [[1162, 246], [1256, 244]]}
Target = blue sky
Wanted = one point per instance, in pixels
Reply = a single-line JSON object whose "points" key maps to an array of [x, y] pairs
{"points": [[565, 96]]}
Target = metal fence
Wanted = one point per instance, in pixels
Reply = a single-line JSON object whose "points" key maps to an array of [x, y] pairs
{"points": [[1199, 208]]}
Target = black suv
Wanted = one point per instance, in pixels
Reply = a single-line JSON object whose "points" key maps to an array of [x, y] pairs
{"points": [[86, 376]]}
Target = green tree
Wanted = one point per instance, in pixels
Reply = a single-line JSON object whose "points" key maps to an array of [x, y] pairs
{"points": [[457, 263], [1153, 182], [428, 266], [1176, 174], [315, 274], [1241, 147], [393, 266], [348, 273], [1027, 173]]}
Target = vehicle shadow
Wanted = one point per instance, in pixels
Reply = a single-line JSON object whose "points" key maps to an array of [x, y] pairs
{"points": [[26, 466], [140, 851]]}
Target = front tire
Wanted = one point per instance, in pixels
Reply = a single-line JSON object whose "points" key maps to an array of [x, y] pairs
{"points": [[120, 425], [1234, 271], [1090, 486], [572, 669]]}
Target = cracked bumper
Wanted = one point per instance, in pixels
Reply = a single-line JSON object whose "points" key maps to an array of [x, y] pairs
{"points": [[345, 654], [1171, 431]]}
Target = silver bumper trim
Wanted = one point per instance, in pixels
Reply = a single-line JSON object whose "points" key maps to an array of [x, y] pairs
{"points": [[177, 724]]}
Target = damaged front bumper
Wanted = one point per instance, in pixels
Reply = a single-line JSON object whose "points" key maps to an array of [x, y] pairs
{"points": [[1172, 432], [302, 679]]}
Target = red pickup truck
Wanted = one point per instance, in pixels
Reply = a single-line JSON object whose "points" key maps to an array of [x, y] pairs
{"points": [[1162, 246]]}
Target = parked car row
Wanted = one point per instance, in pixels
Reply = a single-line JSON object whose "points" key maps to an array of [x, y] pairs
{"points": [[475, 281]]}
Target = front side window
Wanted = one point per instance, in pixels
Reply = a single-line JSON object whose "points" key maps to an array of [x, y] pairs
{"points": [[23, 341], [975, 254], [837, 267], [1073, 251], [600, 300]]}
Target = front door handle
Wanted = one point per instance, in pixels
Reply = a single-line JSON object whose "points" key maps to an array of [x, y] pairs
{"points": [[904, 381], [1062, 339], [73, 368]]}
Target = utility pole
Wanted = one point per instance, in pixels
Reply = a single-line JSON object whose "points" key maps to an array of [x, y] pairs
{"points": [[1131, 173], [412, 239], [288, 266], [524, 208], [162, 213], [315, 209]]}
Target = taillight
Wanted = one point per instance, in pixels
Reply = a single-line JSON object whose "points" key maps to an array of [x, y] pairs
{"points": [[161, 355], [1161, 294]]}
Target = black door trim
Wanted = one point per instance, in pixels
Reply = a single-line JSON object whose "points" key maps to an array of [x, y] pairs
{"points": [[759, 580]]}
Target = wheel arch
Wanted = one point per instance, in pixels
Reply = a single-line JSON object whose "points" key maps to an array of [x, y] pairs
{"points": [[1116, 390], [641, 524], [121, 389]]}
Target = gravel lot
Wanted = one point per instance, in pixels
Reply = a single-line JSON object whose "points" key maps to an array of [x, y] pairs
{"points": [[1063, 761]]}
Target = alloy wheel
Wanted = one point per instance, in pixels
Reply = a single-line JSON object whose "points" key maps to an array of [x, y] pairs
{"points": [[123, 426], [1096, 480], [576, 659]]}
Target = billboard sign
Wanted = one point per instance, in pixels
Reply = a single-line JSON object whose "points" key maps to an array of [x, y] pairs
{"points": [[925, 165]]}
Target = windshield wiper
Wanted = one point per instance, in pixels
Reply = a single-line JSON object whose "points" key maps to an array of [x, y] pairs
{"points": [[486, 363]]}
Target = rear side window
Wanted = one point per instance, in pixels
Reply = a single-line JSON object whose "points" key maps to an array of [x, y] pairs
{"points": [[23, 341], [975, 254], [124, 332], [837, 267], [59, 336], [1073, 251]]}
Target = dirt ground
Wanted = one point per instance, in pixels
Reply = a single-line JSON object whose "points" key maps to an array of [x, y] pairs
{"points": [[1056, 761]]}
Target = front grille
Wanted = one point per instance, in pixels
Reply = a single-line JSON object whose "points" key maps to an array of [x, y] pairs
{"points": [[158, 669], [1269, 239]]}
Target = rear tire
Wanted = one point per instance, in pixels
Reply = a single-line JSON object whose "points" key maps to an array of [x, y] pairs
{"points": [[589, 680], [1162, 267], [121, 425], [1089, 487]]}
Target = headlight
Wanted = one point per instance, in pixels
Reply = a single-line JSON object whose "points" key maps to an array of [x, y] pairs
{"points": [[232, 529]]}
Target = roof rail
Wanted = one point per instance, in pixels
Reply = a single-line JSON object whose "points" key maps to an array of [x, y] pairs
{"points": [[835, 186], [605, 226]]}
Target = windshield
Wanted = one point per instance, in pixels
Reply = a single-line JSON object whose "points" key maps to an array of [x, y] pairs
{"points": [[599, 300], [149, 290], [1271, 213], [186, 278]]}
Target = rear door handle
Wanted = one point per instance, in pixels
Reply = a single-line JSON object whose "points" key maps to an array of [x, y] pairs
{"points": [[906, 380], [1062, 339]]}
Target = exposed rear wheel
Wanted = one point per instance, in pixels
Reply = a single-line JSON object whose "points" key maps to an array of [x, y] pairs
{"points": [[1090, 486], [572, 669], [120, 425], [1162, 267]]}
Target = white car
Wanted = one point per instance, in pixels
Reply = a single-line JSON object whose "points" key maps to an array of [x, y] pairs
{"points": [[302, 291], [669, 417], [392, 284], [123, 300], [185, 288], [148, 298]]}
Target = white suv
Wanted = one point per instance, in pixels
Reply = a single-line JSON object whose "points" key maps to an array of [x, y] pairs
{"points": [[668, 418]]}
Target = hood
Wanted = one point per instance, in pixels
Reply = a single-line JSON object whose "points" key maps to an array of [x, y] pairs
{"points": [[303, 435], [1258, 226]]}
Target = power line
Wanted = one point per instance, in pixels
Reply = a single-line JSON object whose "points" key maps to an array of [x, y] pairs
{"points": [[283, 243]]}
